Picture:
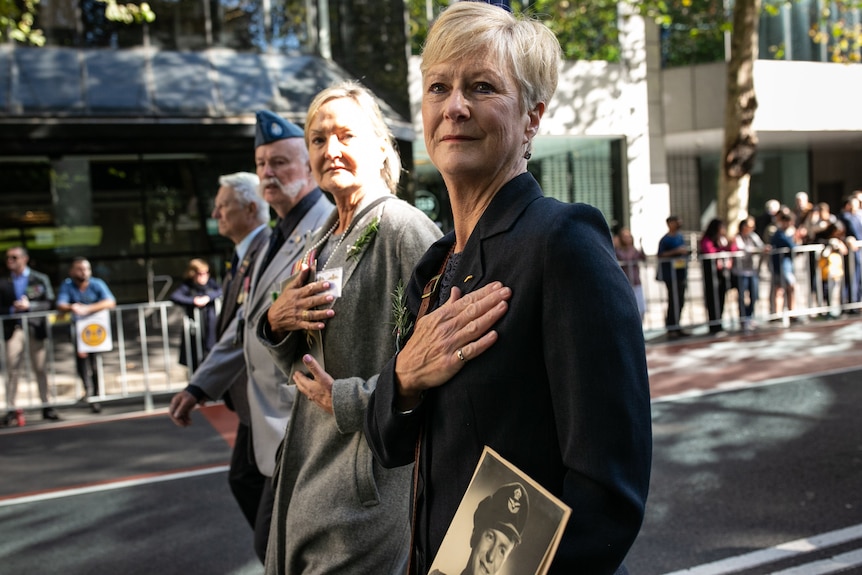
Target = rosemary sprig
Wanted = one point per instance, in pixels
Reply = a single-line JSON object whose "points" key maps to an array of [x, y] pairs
{"points": [[363, 240], [401, 315]]}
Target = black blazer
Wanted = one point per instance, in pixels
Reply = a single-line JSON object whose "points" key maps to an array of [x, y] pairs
{"points": [[563, 394], [232, 287], [41, 296]]}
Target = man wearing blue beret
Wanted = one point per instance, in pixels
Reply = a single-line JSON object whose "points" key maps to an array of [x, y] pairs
{"points": [[286, 183]]}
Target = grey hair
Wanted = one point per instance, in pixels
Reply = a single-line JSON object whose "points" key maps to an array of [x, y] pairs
{"points": [[246, 186]]}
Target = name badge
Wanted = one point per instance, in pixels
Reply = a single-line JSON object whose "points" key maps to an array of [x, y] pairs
{"points": [[334, 277]]}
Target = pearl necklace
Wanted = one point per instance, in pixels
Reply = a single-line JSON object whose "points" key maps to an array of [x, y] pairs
{"points": [[354, 221], [323, 240]]}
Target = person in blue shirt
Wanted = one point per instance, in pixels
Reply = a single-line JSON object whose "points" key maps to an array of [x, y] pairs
{"points": [[783, 277], [83, 295], [673, 255], [849, 217]]}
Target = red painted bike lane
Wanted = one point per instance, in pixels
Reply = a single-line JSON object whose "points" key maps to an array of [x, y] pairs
{"points": [[703, 364]]}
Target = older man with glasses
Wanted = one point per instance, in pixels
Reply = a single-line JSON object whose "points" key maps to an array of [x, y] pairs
{"points": [[25, 290]]}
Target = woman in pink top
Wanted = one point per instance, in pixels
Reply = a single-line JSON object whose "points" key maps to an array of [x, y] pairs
{"points": [[629, 258], [716, 271]]}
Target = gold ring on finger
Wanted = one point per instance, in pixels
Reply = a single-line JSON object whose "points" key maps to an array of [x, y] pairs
{"points": [[460, 354]]}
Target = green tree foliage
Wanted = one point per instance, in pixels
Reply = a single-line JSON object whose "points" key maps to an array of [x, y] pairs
{"points": [[587, 29], [837, 29], [17, 18], [16, 22], [128, 13], [692, 31]]}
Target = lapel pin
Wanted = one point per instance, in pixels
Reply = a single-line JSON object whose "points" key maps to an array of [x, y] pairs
{"points": [[468, 278]]}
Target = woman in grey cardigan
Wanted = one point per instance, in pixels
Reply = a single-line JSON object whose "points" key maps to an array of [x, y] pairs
{"points": [[331, 329]]}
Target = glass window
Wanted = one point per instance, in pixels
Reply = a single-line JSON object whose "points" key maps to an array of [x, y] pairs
{"points": [[242, 25], [137, 218], [27, 202], [58, 20], [232, 24], [180, 24]]}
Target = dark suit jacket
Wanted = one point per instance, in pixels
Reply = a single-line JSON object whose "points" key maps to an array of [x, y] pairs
{"points": [[185, 295], [563, 394], [232, 287], [852, 227], [223, 371], [41, 296]]}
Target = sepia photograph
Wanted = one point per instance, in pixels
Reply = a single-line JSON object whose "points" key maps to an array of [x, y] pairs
{"points": [[506, 524]]}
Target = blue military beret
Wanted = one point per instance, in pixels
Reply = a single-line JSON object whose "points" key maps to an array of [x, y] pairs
{"points": [[272, 127]]}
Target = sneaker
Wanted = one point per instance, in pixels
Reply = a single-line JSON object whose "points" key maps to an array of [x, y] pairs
{"points": [[14, 419], [50, 414]]}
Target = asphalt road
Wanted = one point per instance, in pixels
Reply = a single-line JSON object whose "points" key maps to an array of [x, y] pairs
{"points": [[120, 494], [761, 477], [751, 469]]}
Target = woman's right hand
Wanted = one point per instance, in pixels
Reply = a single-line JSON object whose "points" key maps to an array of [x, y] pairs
{"points": [[447, 338], [294, 308]]}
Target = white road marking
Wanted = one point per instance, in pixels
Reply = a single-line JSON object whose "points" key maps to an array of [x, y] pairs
{"points": [[108, 486], [835, 564], [782, 551], [744, 385]]}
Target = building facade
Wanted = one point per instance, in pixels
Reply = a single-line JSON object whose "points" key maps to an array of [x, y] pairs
{"points": [[807, 120], [112, 136]]}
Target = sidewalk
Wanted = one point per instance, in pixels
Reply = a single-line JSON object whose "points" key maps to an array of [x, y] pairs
{"points": [[693, 365], [703, 363]]}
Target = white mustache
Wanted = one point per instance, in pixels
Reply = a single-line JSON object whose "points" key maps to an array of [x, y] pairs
{"points": [[290, 190]]}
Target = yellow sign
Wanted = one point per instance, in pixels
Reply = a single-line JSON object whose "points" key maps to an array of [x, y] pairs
{"points": [[94, 334]]}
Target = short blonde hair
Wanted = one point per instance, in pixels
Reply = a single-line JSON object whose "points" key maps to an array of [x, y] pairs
{"points": [[526, 46], [196, 265], [391, 170]]}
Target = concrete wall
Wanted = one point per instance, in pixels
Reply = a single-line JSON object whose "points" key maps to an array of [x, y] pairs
{"points": [[791, 96]]}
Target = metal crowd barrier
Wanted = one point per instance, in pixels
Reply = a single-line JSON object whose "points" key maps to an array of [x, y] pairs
{"points": [[815, 297], [142, 363], [147, 337]]}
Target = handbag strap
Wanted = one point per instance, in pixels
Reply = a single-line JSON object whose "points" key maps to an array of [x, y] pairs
{"points": [[432, 287], [430, 293]]}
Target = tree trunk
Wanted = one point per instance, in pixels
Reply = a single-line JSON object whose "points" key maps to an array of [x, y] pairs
{"points": [[740, 140]]}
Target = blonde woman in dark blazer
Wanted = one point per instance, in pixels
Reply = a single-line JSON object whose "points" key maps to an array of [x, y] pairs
{"points": [[531, 341]]}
